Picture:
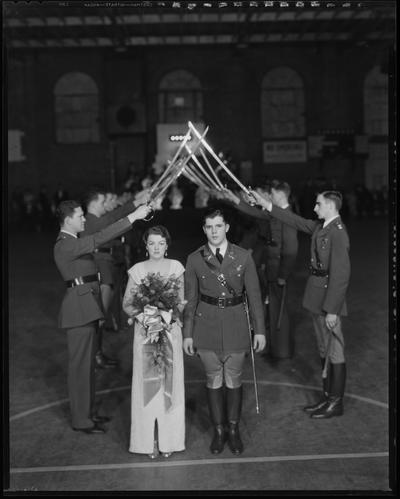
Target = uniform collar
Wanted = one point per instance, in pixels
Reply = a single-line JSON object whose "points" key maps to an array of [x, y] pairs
{"points": [[69, 233], [222, 248], [327, 222]]}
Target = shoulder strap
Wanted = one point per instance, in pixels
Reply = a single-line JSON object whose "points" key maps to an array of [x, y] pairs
{"points": [[219, 275]]}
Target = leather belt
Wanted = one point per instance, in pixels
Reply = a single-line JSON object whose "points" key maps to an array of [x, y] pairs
{"points": [[222, 302], [319, 272], [104, 250], [78, 281]]}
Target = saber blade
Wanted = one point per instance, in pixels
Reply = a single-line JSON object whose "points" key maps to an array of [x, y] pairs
{"points": [[215, 156]]}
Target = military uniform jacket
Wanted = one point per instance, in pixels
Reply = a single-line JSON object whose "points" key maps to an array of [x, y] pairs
{"points": [[74, 258], [105, 261], [211, 327], [282, 243], [95, 224], [330, 252]]}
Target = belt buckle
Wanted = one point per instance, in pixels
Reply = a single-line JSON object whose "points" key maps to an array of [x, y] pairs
{"points": [[221, 302], [78, 281]]}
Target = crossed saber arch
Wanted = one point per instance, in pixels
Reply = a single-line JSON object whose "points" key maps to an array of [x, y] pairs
{"points": [[186, 162]]}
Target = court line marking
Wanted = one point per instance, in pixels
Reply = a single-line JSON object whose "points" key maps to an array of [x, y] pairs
{"points": [[275, 383], [197, 462]]}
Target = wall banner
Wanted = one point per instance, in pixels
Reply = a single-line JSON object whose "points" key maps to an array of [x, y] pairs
{"points": [[285, 151]]}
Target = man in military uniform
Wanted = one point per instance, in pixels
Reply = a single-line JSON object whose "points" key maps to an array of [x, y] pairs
{"points": [[81, 308], [98, 218], [217, 277], [282, 247], [325, 293]]}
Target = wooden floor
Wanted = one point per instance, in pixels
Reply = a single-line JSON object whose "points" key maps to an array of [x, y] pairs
{"points": [[285, 450]]}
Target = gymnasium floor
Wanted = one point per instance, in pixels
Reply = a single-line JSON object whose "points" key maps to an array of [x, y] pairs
{"points": [[285, 450]]}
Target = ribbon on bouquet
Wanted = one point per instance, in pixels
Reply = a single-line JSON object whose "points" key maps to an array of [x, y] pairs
{"points": [[157, 357]]}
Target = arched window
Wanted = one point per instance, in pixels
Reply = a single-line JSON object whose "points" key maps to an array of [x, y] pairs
{"points": [[282, 104], [180, 98], [76, 109], [376, 103]]}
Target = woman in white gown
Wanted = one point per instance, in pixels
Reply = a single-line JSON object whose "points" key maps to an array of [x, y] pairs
{"points": [[154, 421]]}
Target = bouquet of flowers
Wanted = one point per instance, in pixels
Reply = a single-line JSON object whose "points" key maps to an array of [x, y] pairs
{"points": [[157, 305]]}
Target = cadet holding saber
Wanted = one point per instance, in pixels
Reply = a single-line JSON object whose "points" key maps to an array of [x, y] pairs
{"points": [[325, 293]]}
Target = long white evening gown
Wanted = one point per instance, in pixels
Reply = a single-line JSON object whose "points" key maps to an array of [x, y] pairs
{"points": [[171, 422]]}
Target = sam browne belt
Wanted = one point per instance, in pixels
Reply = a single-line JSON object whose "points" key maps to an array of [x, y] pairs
{"points": [[318, 272], [222, 302], [78, 281]]}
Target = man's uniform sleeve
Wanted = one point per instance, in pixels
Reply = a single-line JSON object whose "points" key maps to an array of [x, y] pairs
{"points": [[339, 272], [295, 221], [88, 244], [253, 291]]}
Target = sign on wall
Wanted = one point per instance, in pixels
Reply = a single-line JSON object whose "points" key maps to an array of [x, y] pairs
{"points": [[170, 136], [288, 151], [15, 146]]}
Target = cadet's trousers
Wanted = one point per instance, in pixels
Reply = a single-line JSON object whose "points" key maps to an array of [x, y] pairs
{"points": [[280, 341], [220, 367], [329, 343], [81, 374]]}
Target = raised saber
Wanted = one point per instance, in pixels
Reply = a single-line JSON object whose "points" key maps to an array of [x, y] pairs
{"points": [[173, 160], [188, 174], [172, 178], [171, 163], [221, 163], [192, 168], [253, 366], [211, 168], [202, 169], [191, 172]]}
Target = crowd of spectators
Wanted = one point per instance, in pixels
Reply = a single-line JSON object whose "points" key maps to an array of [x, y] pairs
{"points": [[35, 211]]}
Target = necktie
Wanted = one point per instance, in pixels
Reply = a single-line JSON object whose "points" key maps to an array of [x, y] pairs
{"points": [[219, 256]]}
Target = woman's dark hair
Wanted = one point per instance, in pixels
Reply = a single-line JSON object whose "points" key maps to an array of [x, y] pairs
{"points": [[158, 230], [66, 209]]}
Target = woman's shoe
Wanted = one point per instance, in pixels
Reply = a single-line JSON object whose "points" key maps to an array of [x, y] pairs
{"points": [[155, 452]]}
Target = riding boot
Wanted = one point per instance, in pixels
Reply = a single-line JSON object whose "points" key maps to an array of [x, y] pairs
{"points": [[234, 409], [102, 361], [325, 391], [334, 405], [215, 397]]}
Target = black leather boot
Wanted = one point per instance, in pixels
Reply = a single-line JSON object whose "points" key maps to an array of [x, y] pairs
{"points": [[334, 405], [234, 409], [215, 397], [102, 361], [325, 392]]}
